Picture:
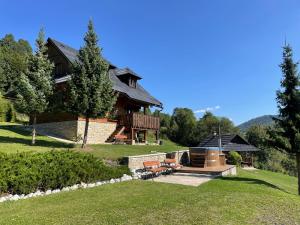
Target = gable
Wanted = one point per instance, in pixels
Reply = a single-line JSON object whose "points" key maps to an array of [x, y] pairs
{"points": [[61, 63], [239, 140]]}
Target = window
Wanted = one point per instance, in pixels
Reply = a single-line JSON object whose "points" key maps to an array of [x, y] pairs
{"points": [[132, 83]]}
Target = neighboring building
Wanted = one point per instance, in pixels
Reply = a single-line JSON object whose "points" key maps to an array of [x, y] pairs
{"points": [[230, 142], [129, 114]]}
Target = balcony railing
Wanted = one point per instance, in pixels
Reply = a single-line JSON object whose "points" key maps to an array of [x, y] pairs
{"points": [[140, 121]]}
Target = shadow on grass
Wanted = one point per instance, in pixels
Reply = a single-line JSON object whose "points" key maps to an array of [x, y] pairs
{"points": [[19, 130], [253, 181]]}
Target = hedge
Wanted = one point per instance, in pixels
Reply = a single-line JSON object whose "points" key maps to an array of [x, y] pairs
{"points": [[23, 173]]}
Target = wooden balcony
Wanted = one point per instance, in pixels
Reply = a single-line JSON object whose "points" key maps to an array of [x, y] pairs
{"points": [[140, 121]]}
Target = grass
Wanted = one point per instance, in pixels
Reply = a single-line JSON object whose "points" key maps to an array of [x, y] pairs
{"points": [[13, 138], [116, 151], [252, 197]]}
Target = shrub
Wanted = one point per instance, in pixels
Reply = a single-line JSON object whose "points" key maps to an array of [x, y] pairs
{"points": [[290, 166], [23, 173], [277, 161], [235, 158], [7, 111]]}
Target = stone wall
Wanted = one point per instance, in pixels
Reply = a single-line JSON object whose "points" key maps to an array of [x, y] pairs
{"points": [[98, 132], [136, 162], [181, 156], [231, 171]]}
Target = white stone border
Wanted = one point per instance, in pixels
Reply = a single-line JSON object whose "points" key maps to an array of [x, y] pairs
{"points": [[16, 197]]}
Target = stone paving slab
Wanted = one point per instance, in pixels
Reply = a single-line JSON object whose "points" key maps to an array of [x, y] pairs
{"points": [[190, 179]]}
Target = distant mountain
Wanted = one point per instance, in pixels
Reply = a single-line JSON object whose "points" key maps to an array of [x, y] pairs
{"points": [[265, 120]]}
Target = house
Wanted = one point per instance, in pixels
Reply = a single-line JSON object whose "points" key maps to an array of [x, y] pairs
{"points": [[128, 118], [228, 142]]}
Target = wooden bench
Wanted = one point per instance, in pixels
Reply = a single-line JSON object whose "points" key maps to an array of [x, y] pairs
{"points": [[171, 163], [154, 167], [120, 138]]}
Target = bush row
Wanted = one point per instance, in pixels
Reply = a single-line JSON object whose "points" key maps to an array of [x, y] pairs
{"points": [[23, 173]]}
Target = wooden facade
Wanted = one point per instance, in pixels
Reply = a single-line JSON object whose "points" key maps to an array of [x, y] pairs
{"points": [[129, 112]]}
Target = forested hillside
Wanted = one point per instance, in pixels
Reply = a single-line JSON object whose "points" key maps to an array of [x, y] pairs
{"points": [[265, 120]]}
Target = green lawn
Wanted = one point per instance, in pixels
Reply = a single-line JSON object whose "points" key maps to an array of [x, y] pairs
{"points": [[256, 197], [13, 138], [117, 151]]}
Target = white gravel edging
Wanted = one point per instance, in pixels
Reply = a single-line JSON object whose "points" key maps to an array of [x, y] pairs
{"points": [[16, 197]]}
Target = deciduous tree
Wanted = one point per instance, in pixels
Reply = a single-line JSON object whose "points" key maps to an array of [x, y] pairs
{"points": [[13, 61]]}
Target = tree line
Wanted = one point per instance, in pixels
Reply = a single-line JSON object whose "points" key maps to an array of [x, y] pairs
{"points": [[184, 128]]}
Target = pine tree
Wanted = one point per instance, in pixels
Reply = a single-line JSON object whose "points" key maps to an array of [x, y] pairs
{"points": [[288, 134], [91, 91], [35, 85]]}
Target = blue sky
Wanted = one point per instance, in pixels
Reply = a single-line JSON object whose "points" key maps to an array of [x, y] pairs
{"points": [[217, 55]]}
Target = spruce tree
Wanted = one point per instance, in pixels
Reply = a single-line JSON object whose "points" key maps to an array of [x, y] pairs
{"points": [[91, 90], [288, 134], [35, 85]]}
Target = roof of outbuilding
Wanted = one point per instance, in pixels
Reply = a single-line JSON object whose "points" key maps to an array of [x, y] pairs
{"points": [[138, 93], [230, 142], [239, 148]]}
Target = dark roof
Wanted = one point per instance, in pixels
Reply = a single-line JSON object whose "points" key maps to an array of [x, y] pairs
{"points": [[230, 142], [69, 52], [126, 71], [239, 148], [138, 93]]}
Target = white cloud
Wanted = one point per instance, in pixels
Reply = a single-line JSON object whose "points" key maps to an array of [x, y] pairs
{"points": [[208, 109]]}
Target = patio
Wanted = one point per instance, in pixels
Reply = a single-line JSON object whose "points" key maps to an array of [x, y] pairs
{"points": [[190, 179]]}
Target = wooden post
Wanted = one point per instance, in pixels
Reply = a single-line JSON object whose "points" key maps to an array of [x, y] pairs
{"points": [[132, 136], [145, 136]]}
